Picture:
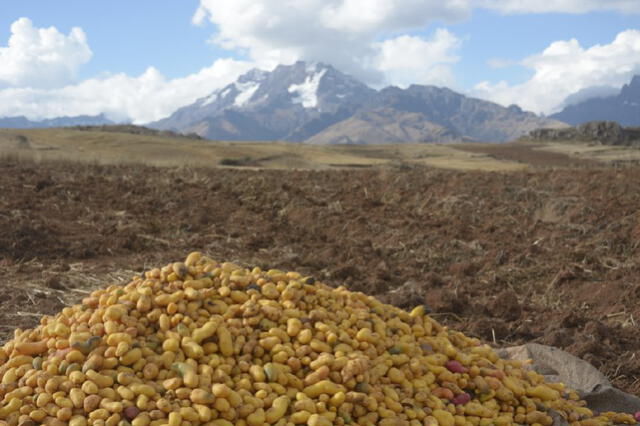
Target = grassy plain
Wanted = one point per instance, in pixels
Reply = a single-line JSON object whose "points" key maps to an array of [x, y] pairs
{"points": [[109, 148]]}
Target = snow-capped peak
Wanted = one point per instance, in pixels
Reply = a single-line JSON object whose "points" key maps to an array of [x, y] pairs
{"points": [[307, 91]]}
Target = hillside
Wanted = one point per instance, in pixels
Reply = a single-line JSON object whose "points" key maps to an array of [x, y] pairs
{"points": [[315, 103], [384, 125], [119, 144]]}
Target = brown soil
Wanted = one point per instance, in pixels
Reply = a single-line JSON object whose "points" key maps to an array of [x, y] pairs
{"points": [[549, 256], [527, 154]]}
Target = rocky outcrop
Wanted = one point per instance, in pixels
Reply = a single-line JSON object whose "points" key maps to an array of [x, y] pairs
{"points": [[602, 132]]}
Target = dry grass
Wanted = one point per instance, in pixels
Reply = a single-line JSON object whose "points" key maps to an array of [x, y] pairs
{"points": [[111, 148], [115, 148], [50, 290], [448, 157], [590, 151]]}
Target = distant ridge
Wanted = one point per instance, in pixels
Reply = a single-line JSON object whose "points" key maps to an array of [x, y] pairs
{"points": [[623, 108], [21, 122]]}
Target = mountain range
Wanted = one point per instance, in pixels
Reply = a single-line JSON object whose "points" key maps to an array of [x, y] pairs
{"points": [[623, 107], [315, 103], [21, 122]]}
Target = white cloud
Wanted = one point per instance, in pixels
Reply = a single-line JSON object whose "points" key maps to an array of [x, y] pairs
{"points": [[354, 35], [560, 6], [41, 57], [407, 60], [564, 68], [374, 40], [349, 34], [145, 98], [377, 16], [589, 93], [38, 80]]}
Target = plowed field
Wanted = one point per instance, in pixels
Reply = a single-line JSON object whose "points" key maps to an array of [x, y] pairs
{"points": [[550, 256]]}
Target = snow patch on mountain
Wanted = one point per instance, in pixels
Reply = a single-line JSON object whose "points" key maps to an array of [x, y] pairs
{"points": [[246, 92], [210, 99], [313, 66], [307, 91]]}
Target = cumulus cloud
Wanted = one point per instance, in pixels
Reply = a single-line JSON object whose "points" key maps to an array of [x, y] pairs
{"points": [[147, 97], [376, 16], [353, 35], [38, 80], [589, 93], [41, 57], [559, 6], [357, 36], [374, 40], [407, 60], [564, 68]]}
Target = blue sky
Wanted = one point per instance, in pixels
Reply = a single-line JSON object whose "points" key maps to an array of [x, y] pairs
{"points": [[125, 36], [142, 59], [491, 35]]}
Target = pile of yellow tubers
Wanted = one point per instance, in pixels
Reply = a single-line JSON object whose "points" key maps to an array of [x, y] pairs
{"points": [[206, 343]]}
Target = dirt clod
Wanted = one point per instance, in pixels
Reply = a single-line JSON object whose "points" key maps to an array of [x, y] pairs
{"points": [[53, 281], [505, 306]]}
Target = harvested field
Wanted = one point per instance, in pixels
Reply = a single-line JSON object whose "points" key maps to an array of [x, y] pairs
{"points": [[549, 256], [528, 154]]}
